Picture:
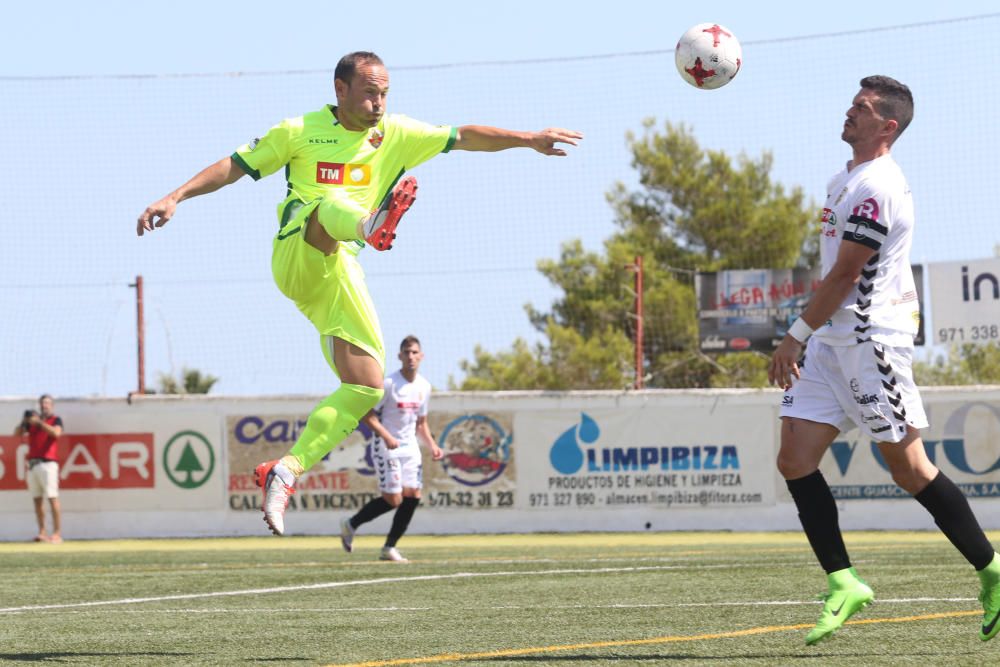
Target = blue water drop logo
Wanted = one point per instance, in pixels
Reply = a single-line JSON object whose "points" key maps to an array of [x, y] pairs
{"points": [[566, 455], [589, 431]]}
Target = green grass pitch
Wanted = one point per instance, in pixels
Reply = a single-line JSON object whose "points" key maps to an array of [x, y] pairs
{"points": [[586, 599]]}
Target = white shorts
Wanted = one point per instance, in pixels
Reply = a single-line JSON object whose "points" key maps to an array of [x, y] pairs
{"points": [[396, 472], [43, 479], [868, 385]]}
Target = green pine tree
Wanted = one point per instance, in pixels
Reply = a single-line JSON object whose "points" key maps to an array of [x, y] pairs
{"points": [[695, 209], [188, 463]]}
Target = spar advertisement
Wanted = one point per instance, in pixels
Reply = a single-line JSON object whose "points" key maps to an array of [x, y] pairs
{"points": [[662, 454], [963, 441], [117, 457], [477, 471]]}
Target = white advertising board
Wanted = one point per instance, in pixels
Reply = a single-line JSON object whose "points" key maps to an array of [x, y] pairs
{"points": [[966, 301], [514, 462]]}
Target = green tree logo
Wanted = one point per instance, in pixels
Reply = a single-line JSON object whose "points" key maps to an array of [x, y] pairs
{"points": [[193, 465]]}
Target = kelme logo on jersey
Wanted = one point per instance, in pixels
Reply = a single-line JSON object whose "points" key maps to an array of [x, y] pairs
{"points": [[338, 173]]}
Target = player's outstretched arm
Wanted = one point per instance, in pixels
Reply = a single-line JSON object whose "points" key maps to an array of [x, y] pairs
{"points": [[209, 179], [483, 138]]}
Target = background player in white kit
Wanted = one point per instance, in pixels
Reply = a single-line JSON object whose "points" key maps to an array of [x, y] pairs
{"points": [[857, 366], [398, 421]]}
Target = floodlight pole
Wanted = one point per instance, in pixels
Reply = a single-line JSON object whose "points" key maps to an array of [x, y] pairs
{"points": [[637, 269], [140, 330]]}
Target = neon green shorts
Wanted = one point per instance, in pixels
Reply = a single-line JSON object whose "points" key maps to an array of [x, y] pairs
{"points": [[329, 290]]}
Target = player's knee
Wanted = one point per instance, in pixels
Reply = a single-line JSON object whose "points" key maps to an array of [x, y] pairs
{"points": [[394, 499], [339, 215], [791, 467], [361, 397], [323, 418], [911, 480], [331, 205]]}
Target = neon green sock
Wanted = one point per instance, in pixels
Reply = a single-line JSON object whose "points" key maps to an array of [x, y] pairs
{"points": [[332, 420], [340, 217], [990, 574], [842, 578]]}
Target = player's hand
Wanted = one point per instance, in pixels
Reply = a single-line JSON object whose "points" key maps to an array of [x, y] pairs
{"points": [[34, 419], [436, 452], [156, 215], [545, 141], [391, 443], [785, 363]]}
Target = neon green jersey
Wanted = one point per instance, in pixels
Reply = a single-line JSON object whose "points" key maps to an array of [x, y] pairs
{"points": [[319, 154]]}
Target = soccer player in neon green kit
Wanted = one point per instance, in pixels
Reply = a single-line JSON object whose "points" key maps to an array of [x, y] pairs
{"points": [[344, 165]]}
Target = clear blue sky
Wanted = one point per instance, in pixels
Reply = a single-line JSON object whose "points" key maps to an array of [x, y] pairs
{"points": [[84, 156], [119, 37]]}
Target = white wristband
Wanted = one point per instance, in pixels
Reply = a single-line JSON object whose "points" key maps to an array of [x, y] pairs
{"points": [[800, 331]]}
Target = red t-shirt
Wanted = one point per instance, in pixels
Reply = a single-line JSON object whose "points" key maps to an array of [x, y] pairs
{"points": [[41, 444]]}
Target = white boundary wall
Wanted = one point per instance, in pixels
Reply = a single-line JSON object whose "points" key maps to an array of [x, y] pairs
{"points": [[515, 462]]}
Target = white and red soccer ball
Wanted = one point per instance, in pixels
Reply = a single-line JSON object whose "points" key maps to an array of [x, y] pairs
{"points": [[708, 56]]}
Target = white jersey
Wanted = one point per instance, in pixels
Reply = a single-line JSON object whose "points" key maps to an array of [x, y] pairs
{"points": [[401, 405], [872, 205]]}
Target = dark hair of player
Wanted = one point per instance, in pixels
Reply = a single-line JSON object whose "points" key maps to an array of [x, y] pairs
{"points": [[895, 101]]}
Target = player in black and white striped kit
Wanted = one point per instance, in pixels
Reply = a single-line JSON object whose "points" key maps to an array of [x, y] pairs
{"points": [[856, 372], [398, 422]]}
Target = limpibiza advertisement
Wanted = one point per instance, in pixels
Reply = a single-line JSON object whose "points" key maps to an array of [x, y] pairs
{"points": [[645, 457]]}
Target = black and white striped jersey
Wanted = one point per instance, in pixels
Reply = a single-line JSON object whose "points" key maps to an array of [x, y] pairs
{"points": [[871, 204]]}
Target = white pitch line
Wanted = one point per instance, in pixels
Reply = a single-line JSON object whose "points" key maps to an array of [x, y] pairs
{"points": [[342, 584], [251, 610], [664, 605]]}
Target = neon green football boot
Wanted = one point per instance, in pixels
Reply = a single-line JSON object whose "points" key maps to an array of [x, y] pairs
{"points": [[989, 596], [848, 595]]}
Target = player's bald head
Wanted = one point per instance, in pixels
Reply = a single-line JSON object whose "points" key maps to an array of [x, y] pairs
{"points": [[349, 64]]}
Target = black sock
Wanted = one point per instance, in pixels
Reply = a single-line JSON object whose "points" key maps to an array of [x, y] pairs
{"points": [[818, 514], [951, 512], [375, 508], [400, 520]]}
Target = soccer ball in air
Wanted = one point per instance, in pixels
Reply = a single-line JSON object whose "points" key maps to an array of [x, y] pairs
{"points": [[708, 56]]}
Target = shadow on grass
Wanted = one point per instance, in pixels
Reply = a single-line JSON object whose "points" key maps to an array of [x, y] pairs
{"points": [[62, 656], [150, 656]]}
